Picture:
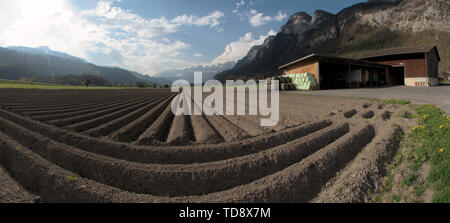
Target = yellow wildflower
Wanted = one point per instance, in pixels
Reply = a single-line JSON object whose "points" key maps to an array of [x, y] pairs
{"points": [[441, 126], [442, 150]]}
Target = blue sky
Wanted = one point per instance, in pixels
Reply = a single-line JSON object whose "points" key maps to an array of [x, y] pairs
{"points": [[150, 36]]}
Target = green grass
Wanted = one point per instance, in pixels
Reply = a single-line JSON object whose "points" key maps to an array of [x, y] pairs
{"points": [[396, 197], [432, 143], [398, 159], [45, 86], [407, 115], [72, 179], [409, 180], [387, 101]]}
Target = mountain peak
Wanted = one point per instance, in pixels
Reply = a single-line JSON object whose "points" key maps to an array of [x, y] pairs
{"points": [[300, 17], [43, 48], [321, 15]]}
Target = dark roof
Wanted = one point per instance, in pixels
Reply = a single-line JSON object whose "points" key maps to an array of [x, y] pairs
{"points": [[331, 58], [402, 51]]}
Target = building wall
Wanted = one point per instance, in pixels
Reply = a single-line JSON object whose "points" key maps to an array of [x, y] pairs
{"points": [[432, 64], [413, 67], [304, 67], [421, 81]]}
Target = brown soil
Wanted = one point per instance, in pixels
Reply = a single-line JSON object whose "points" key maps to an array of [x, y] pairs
{"points": [[11, 191], [126, 146]]}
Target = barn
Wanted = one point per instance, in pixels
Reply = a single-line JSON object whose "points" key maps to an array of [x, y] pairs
{"points": [[413, 66]]}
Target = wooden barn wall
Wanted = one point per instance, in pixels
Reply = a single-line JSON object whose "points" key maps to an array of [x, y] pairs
{"points": [[413, 67], [304, 67]]}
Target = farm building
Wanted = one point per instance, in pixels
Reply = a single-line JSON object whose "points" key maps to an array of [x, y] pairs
{"points": [[414, 66]]}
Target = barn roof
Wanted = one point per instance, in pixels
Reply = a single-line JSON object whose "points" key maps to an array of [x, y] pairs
{"points": [[402, 51], [331, 58]]}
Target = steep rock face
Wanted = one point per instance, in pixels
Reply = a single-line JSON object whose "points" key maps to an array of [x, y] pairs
{"points": [[411, 15], [297, 24], [362, 27]]}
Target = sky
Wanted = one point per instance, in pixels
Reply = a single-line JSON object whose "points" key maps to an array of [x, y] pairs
{"points": [[150, 36]]}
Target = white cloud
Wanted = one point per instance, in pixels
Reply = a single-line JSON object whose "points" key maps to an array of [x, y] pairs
{"points": [[235, 51], [107, 35], [115, 17], [237, 10], [239, 4], [258, 19], [198, 55], [254, 17], [211, 20], [46, 22]]}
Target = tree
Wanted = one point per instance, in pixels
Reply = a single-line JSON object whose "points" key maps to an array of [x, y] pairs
{"points": [[154, 85], [31, 80], [141, 84], [87, 83], [166, 86]]}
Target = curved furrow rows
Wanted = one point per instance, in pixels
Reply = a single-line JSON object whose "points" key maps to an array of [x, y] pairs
{"points": [[114, 125], [134, 129], [204, 132], [69, 108], [66, 103], [227, 130], [94, 114], [159, 130], [246, 125], [176, 180], [46, 118], [166, 154], [88, 124], [299, 182]]}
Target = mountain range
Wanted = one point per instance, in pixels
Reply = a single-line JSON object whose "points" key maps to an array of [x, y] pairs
{"points": [[18, 62], [208, 72], [42, 63], [353, 32]]}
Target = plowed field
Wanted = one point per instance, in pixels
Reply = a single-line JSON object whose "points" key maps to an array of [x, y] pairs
{"points": [[127, 146]]}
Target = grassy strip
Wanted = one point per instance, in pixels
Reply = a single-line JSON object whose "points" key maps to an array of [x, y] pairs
{"points": [[387, 101], [431, 140], [45, 86]]}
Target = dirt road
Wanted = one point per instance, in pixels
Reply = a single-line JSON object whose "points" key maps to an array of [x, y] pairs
{"points": [[439, 96]]}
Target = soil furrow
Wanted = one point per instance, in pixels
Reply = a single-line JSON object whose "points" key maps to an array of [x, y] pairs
{"points": [[202, 129], [90, 115], [172, 180], [69, 108], [133, 130], [83, 126], [66, 115], [168, 154], [159, 130], [114, 125], [58, 185]]}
